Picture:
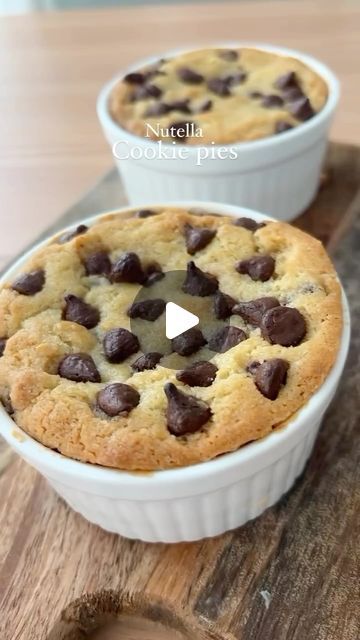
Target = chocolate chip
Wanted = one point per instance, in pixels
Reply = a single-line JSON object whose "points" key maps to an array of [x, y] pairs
{"points": [[178, 130], [70, 235], [271, 101], [185, 414], [135, 78], [97, 264], [198, 374], [180, 105], [292, 93], [29, 283], [197, 238], [257, 267], [235, 78], [147, 361], [144, 213], [199, 283], [147, 309], [253, 366], [228, 54], [282, 126], [270, 376], [223, 305], [2, 346], [256, 95], [78, 367], [302, 109], [253, 310], [249, 224], [190, 76], [158, 109], [153, 273], [145, 91], [204, 106], [226, 338], [188, 342], [117, 398], [283, 325], [219, 86], [286, 81], [127, 269], [119, 344], [76, 310]]}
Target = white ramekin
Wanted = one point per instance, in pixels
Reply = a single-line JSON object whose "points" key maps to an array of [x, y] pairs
{"points": [[278, 175], [191, 502]]}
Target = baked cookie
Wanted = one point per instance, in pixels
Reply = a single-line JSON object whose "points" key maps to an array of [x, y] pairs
{"points": [[72, 371], [227, 95]]}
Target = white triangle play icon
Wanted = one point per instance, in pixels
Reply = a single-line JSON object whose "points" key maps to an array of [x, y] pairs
{"points": [[178, 320]]}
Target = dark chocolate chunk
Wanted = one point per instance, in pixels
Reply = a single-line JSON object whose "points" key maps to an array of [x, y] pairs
{"points": [[286, 81], [117, 398], [79, 367], [197, 238], [70, 235], [147, 309], [178, 130], [272, 100], [29, 283], [144, 213], [220, 86], [185, 414], [199, 283], [198, 374], [253, 310], [76, 310], [97, 264], [226, 338], [135, 78], [145, 91], [223, 305], [238, 77], [249, 224], [228, 54], [158, 109], [180, 105], [301, 109], [204, 106], [283, 325], [270, 376], [188, 342], [119, 344], [292, 93], [127, 269], [190, 76], [147, 361], [257, 267], [2, 346], [282, 126], [256, 95], [153, 273]]}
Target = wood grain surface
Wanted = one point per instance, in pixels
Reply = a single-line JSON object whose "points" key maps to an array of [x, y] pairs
{"points": [[54, 64], [292, 574]]}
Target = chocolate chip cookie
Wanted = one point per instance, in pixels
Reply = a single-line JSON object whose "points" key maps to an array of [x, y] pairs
{"points": [[75, 372], [228, 95]]}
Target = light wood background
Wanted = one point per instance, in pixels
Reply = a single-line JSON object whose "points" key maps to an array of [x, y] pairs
{"points": [[53, 65]]}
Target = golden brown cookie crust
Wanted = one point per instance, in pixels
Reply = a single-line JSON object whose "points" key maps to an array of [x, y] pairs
{"points": [[234, 118], [60, 413]]}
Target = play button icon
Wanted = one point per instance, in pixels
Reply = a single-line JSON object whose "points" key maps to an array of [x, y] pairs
{"points": [[178, 320]]}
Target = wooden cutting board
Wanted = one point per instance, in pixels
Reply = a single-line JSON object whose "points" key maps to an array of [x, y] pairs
{"points": [[292, 574]]}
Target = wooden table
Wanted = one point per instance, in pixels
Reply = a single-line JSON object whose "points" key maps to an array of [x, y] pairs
{"points": [[53, 65]]}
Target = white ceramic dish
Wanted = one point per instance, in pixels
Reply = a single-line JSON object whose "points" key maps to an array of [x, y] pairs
{"points": [[278, 175], [191, 502]]}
